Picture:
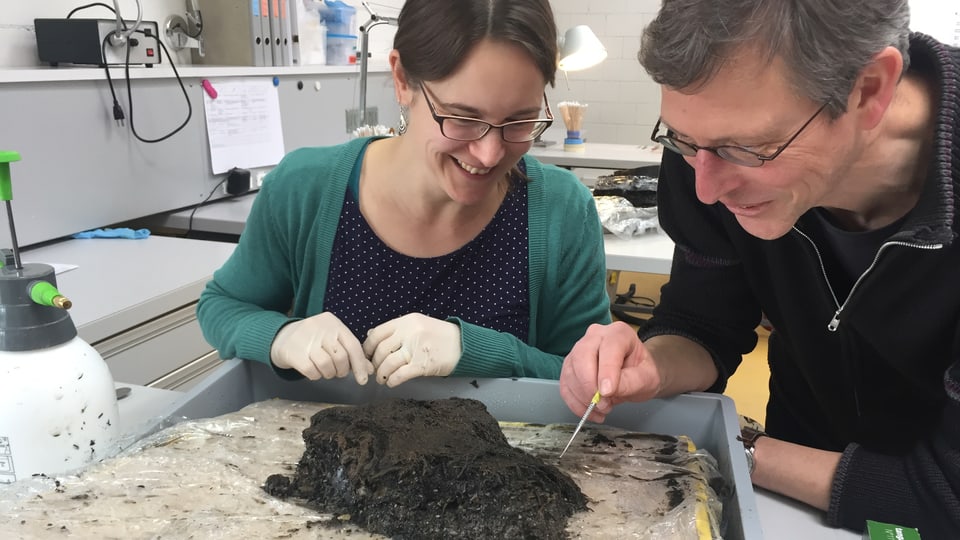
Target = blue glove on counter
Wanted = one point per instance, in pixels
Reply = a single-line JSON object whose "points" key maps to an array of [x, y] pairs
{"points": [[114, 233]]}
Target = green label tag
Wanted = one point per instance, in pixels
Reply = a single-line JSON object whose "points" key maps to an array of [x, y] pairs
{"points": [[886, 531]]}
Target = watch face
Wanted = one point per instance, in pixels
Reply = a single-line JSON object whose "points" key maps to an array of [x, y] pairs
{"points": [[751, 462]]}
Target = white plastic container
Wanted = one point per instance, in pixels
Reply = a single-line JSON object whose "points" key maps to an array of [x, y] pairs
{"points": [[312, 32], [338, 16], [58, 410], [341, 50]]}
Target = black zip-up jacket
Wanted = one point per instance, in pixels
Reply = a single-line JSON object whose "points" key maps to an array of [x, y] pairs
{"points": [[874, 373]]}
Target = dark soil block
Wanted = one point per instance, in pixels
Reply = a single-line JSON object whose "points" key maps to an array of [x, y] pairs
{"points": [[413, 469]]}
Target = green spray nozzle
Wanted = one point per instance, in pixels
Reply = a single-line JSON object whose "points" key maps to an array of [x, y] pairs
{"points": [[45, 294], [6, 188]]}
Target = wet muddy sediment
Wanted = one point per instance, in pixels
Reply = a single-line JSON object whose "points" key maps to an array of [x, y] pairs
{"points": [[413, 469]]}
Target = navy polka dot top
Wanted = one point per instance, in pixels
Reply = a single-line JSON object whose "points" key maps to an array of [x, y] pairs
{"points": [[485, 282]]}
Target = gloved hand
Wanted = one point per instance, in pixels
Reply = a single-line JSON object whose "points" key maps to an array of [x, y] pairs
{"points": [[413, 345], [320, 347]]}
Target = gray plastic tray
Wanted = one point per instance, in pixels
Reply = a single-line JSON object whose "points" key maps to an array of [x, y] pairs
{"points": [[709, 419]]}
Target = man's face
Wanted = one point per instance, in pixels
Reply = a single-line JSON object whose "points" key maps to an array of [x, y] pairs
{"points": [[752, 106]]}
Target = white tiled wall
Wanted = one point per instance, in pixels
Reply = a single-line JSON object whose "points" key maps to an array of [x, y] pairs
{"points": [[622, 102]]}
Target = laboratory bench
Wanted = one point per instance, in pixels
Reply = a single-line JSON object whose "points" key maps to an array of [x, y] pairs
{"points": [[599, 156], [649, 253], [135, 301]]}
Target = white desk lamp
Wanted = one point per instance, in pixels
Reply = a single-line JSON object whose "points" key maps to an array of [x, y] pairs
{"points": [[579, 49]]}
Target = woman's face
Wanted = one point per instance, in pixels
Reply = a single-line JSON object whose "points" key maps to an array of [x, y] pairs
{"points": [[496, 83]]}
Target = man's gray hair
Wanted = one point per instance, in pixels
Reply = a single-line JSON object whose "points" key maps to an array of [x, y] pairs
{"points": [[823, 43]]}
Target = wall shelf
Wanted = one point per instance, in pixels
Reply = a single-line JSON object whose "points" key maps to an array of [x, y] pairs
{"points": [[69, 73]]}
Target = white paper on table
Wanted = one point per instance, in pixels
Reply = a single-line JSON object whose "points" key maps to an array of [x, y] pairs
{"points": [[243, 124], [58, 268]]}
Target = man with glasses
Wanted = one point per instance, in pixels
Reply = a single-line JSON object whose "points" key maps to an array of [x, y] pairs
{"points": [[812, 176]]}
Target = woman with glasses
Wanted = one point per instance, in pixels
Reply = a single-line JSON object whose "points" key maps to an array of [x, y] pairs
{"points": [[811, 174], [443, 251]]}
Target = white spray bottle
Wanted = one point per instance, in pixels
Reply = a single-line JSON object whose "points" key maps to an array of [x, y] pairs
{"points": [[58, 405]]}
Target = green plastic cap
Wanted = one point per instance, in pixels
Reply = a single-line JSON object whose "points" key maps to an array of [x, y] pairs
{"points": [[43, 293], [6, 188]]}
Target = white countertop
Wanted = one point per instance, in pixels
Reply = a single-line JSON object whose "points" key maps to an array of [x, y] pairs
{"points": [[599, 155], [650, 253], [225, 216], [119, 283]]}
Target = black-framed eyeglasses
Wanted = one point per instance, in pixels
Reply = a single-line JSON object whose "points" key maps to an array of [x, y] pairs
{"points": [[734, 154], [461, 128]]}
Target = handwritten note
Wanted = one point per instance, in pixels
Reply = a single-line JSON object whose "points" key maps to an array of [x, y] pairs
{"points": [[243, 124]]}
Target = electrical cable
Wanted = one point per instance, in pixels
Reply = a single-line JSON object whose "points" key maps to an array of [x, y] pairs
{"points": [[118, 114], [186, 96], [101, 4], [617, 308], [201, 203], [117, 110], [122, 24]]}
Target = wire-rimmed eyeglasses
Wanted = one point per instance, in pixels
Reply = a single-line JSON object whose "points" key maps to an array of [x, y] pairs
{"points": [[461, 128], [732, 153]]}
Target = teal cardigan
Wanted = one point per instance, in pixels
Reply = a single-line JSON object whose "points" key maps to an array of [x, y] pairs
{"points": [[281, 264]]}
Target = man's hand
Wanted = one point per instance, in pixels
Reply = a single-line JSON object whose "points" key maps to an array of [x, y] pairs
{"points": [[320, 347], [413, 345], [610, 358]]}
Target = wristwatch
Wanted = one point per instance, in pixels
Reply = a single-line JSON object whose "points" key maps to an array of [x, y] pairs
{"points": [[748, 436]]}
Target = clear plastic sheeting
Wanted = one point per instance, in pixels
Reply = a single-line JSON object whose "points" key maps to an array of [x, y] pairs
{"points": [[640, 485], [195, 479], [203, 478]]}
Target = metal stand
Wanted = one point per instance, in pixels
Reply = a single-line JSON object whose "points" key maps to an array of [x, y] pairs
{"points": [[375, 20]]}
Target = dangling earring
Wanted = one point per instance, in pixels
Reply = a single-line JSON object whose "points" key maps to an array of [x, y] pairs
{"points": [[403, 120]]}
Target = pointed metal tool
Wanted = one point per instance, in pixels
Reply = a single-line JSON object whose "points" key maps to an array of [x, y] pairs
{"points": [[583, 419]]}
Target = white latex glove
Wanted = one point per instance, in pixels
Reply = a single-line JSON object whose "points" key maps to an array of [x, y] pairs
{"points": [[413, 345], [320, 347]]}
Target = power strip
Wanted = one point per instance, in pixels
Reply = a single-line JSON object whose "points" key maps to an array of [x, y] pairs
{"points": [[80, 41]]}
